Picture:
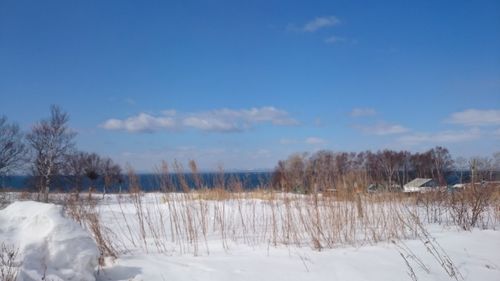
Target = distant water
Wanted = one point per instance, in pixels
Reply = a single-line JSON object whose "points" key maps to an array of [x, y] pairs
{"points": [[150, 182], [147, 182]]}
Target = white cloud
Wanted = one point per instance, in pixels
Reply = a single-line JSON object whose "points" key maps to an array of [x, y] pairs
{"points": [[335, 39], [315, 141], [212, 124], [258, 115], [143, 122], [383, 129], [221, 120], [475, 117], [315, 24], [362, 112], [320, 22], [441, 137]]}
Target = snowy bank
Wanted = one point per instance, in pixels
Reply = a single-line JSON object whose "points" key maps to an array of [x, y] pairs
{"points": [[49, 244], [474, 253]]}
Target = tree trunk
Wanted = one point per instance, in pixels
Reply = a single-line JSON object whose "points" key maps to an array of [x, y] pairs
{"points": [[46, 189]]}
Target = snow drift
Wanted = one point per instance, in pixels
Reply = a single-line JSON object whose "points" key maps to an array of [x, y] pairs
{"points": [[50, 244]]}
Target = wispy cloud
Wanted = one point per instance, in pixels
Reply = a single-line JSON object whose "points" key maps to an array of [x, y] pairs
{"points": [[441, 137], [315, 141], [320, 22], [142, 122], [315, 24], [335, 40], [220, 120], [362, 112], [383, 129], [212, 124], [475, 117]]}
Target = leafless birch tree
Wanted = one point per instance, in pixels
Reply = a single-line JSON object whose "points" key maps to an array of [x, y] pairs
{"points": [[51, 140]]}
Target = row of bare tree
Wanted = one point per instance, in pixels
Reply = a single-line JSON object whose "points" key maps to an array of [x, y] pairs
{"points": [[49, 150], [325, 170]]}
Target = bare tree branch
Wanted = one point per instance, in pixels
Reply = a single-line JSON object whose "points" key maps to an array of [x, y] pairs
{"points": [[51, 140]]}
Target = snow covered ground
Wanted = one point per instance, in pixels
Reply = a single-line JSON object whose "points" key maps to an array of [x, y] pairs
{"points": [[50, 246], [476, 254], [245, 239]]}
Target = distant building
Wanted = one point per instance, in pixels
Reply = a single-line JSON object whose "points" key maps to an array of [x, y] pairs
{"points": [[458, 185], [420, 185]]}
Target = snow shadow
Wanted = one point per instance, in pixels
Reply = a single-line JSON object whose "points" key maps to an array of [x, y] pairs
{"points": [[118, 272]]}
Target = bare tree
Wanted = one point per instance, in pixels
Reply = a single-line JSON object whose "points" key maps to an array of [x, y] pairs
{"points": [[74, 169], [290, 175], [443, 163], [372, 167], [323, 165], [295, 172], [423, 164], [461, 165], [12, 148], [93, 168], [51, 140], [481, 168], [112, 174], [496, 157], [496, 164], [390, 161], [79, 165], [326, 169], [406, 167], [279, 179], [341, 168]]}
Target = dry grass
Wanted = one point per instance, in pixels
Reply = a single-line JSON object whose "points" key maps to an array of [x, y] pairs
{"points": [[434, 249], [471, 207], [184, 222], [215, 194], [8, 265], [188, 220], [86, 213]]}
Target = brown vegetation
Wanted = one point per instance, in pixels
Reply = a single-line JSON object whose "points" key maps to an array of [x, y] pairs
{"points": [[184, 222], [8, 265]]}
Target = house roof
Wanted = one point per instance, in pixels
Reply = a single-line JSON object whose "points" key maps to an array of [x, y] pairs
{"points": [[418, 182]]}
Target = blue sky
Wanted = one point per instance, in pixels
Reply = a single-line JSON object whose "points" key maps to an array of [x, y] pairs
{"points": [[245, 83]]}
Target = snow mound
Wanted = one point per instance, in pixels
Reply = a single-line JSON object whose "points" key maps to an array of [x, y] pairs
{"points": [[50, 244]]}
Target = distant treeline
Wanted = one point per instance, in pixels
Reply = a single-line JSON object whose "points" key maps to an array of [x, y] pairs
{"points": [[389, 168]]}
